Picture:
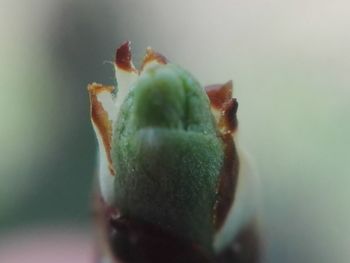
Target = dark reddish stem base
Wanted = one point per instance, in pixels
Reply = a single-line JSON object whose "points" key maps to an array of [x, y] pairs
{"points": [[135, 242]]}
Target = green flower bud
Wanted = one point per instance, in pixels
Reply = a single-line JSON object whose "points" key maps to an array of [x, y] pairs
{"points": [[168, 166], [167, 154]]}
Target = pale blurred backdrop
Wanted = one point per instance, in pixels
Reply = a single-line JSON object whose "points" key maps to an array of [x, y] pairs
{"points": [[290, 64]]}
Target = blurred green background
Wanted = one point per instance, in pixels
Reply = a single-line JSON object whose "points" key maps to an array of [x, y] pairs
{"points": [[290, 63]]}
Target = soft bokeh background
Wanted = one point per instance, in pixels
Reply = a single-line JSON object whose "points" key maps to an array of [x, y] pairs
{"points": [[290, 62]]}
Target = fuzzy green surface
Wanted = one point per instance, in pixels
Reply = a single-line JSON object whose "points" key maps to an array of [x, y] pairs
{"points": [[167, 154]]}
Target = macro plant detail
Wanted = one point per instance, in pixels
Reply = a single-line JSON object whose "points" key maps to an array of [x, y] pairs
{"points": [[169, 172]]}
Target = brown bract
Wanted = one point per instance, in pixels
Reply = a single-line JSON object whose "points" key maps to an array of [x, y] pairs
{"points": [[223, 106], [224, 109], [152, 56], [123, 58], [100, 119], [227, 182]]}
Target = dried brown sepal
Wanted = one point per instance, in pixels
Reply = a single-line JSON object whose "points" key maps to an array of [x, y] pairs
{"points": [[100, 119], [152, 56], [123, 59]]}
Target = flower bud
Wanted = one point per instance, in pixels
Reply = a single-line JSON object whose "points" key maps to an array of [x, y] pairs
{"points": [[168, 166]]}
